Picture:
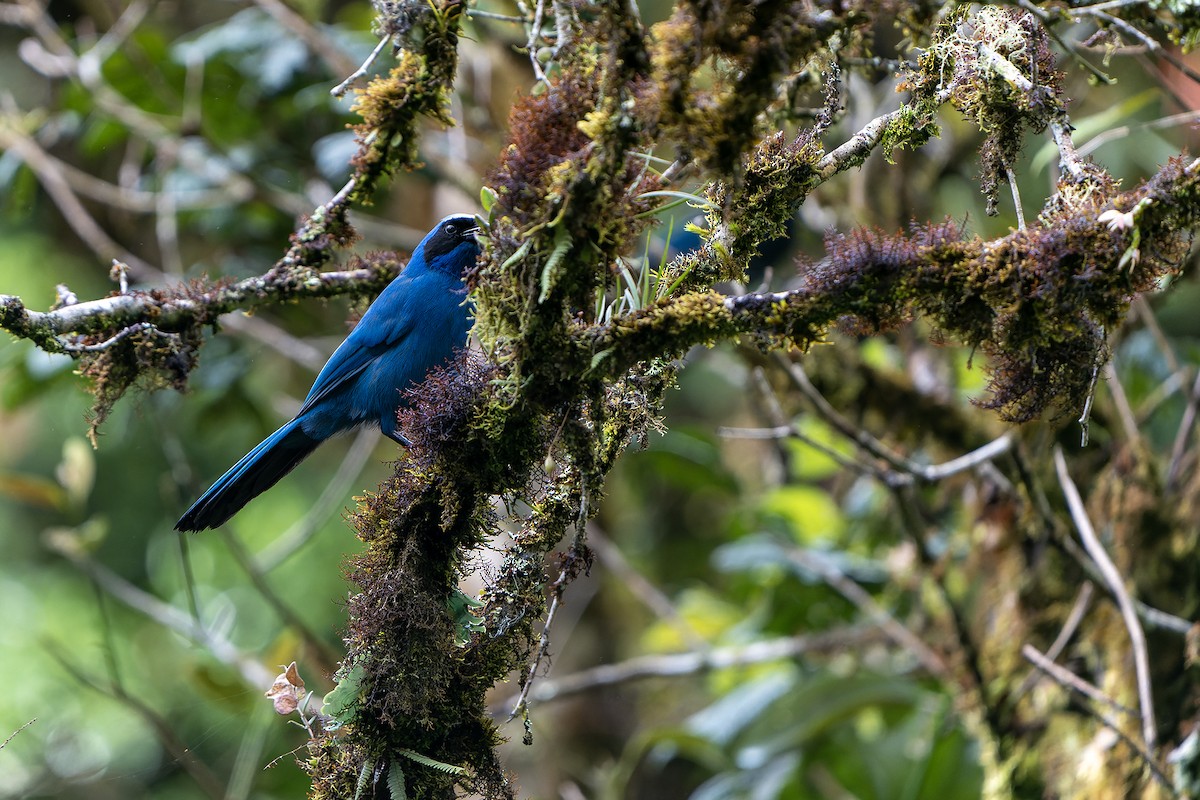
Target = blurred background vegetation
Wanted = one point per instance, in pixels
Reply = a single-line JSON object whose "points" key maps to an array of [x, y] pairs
{"points": [[187, 138]]}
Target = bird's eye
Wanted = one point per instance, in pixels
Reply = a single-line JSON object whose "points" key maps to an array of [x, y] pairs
{"points": [[450, 230]]}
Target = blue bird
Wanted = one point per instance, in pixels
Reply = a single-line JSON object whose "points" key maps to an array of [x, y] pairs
{"points": [[416, 324]]}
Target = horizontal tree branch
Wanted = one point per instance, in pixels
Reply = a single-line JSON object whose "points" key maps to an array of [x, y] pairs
{"points": [[1076, 272], [186, 305], [674, 665]]}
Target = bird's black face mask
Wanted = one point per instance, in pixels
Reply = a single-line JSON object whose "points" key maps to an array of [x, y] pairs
{"points": [[452, 232]]}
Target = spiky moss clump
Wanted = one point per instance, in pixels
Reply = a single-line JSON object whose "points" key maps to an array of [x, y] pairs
{"points": [[418, 86], [316, 242], [659, 332], [1164, 209], [755, 206], [568, 191], [333, 767], [1026, 303], [1038, 303], [544, 135], [570, 198]]}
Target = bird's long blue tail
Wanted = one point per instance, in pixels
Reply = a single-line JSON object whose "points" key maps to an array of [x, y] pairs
{"points": [[259, 470]]}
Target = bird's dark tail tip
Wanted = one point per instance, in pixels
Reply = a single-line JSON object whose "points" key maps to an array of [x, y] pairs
{"points": [[259, 470]]}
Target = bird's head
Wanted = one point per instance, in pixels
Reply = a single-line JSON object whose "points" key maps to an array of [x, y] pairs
{"points": [[451, 245]]}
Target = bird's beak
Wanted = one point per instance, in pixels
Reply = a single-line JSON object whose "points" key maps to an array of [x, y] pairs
{"points": [[473, 231]]}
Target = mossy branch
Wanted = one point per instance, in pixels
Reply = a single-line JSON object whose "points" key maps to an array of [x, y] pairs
{"points": [[152, 338], [1037, 301], [67, 328]]}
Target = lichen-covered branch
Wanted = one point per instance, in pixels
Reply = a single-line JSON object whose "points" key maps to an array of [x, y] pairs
{"points": [[152, 338], [60, 328]]}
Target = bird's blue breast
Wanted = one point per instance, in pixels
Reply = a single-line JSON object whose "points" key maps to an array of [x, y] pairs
{"points": [[438, 322], [415, 325]]}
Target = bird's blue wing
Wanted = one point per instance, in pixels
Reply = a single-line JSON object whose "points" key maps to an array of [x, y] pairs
{"points": [[385, 324]]}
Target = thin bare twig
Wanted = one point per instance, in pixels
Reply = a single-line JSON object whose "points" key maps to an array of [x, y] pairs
{"points": [[874, 612], [1085, 416], [63, 196], [1082, 600], [96, 316], [128, 198], [674, 665], [1070, 47], [285, 612], [980, 455], [799, 379], [1184, 434], [1060, 126], [1148, 41], [1116, 584], [908, 468], [110, 341], [252, 672], [1121, 401], [320, 44], [290, 542], [774, 411], [792, 432], [556, 588], [342, 87], [475, 12], [13, 735], [200, 772], [1065, 677], [1072, 681], [1016, 195], [535, 33], [929, 474], [1111, 134]]}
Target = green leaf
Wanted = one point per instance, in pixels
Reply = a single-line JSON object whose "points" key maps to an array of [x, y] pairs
{"points": [[811, 463], [466, 622], [562, 243], [487, 198], [693, 199], [725, 719], [706, 614], [33, 490], [811, 513], [426, 761], [518, 255], [341, 703], [77, 471], [766, 552], [364, 776], [1095, 125], [396, 787], [598, 357]]}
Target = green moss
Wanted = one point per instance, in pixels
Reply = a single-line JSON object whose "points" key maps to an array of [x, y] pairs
{"points": [[913, 127], [418, 86]]}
